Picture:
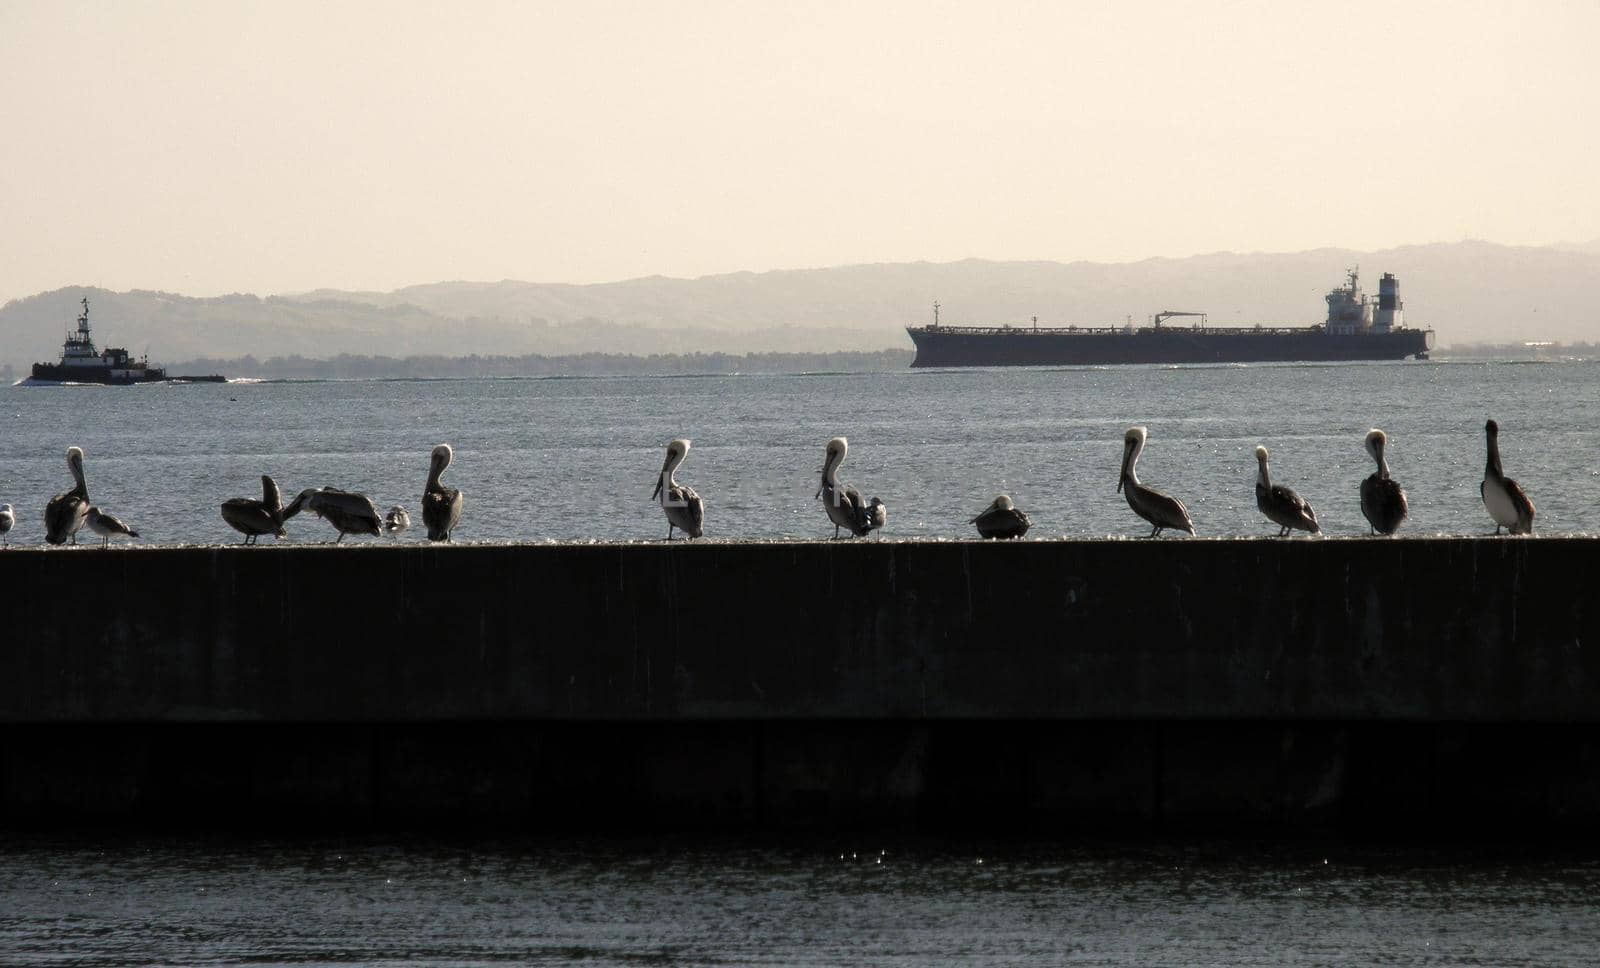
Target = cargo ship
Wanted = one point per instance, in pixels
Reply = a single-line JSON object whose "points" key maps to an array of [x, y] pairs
{"points": [[82, 363], [1357, 328]]}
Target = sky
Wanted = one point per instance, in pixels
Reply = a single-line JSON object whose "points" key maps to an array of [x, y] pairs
{"points": [[207, 148]]}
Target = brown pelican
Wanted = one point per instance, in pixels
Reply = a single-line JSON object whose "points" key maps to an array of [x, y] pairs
{"points": [[1002, 519], [253, 518], [683, 507], [441, 506], [8, 520], [1282, 506], [65, 513], [347, 511], [397, 520], [1506, 502], [1383, 500], [108, 526], [845, 505], [1160, 510]]}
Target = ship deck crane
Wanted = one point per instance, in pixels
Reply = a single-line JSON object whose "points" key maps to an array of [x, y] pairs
{"points": [[1167, 314]]}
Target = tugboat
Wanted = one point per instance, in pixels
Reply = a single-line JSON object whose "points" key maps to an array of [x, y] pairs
{"points": [[81, 363]]}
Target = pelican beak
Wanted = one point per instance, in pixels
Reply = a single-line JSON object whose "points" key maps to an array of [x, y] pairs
{"points": [[657, 492], [1119, 485]]}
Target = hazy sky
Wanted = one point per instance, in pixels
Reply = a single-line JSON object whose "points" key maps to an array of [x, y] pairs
{"points": [[274, 147]]}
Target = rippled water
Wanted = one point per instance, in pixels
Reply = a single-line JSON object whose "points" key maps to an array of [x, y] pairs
{"points": [[849, 903], [576, 458]]}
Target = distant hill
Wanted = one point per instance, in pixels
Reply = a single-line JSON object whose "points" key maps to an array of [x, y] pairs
{"points": [[1469, 292]]}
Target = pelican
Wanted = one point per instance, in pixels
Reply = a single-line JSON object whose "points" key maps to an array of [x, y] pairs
{"points": [[683, 507], [1383, 500], [397, 520], [1002, 519], [845, 505], [65, 513], [1282, 506], [441, 506], [1506, 502], [347, 511], [253, 518], [1160, 510], [8, 520], [108, 526]]}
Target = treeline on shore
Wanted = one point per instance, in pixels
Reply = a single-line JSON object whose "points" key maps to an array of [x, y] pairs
{"points": [[1538, 350], [350, 367]]}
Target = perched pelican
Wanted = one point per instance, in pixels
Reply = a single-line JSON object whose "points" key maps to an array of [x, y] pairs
{"points": [[1002, 519], [347, 511], [253, 518], [441, 506], [1383, 500], [683, 507], [8, 520], [1506, 502], [1160, 510], [65, 513], [845, 505], [1282, 506], [397, 520], [108, 526]]}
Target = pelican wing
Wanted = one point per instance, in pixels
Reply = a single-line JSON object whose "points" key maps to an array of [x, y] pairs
{"points": [[248, 516], [1161, 510], [685, 511], [441, 512], [1383, 502], [63, 516], [1285, 508]]}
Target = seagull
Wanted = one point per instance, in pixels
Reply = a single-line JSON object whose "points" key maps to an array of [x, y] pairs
{"points": [[397, 520], [347, 511], [877, 515], [1504, 499], [1383, 500], [253, 518], [8, 520], [65, 513], [1282, 506], [1160, 510], [1002, 519], [441, 506], [108, 526], [845, 505], [682, 506]]}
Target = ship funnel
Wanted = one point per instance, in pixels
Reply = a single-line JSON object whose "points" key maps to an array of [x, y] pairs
{"points": [[1389, 315]]}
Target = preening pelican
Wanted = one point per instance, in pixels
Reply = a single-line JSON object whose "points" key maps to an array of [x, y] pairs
{"points": [[65, 513], [441, 506], [107, 526], [1282, 506], [1383, 500], [8, 520], [682, 506], [845, 505], [1002, 519], [1159, 509], [397, 520], [347, 511], [253, 518], [1506, 502]]}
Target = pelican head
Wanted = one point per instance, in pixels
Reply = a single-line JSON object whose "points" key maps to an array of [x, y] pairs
{"points": [[832, 458], [443, 454], [1002, 503], [677, 450], [74, 455], [1261, 453], [1376, 440], [1132, 443], [1492, 429]]}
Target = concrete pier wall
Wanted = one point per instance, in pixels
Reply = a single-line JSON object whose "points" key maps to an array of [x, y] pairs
{"points": [[1257, 680]]}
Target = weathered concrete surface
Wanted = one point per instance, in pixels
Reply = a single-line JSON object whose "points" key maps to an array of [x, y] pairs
{"points": [[1427, 630]]}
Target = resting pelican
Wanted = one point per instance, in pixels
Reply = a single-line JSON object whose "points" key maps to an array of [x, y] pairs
{"points": [[1282, 506], [108, 526], [683, 507], [397, 520], [65, 513], [253, 518], [1160, 510], [441, 506], [347, 511], [8, 520], [845, 505], [1383, 500], [1506, 502], [1002, 519]]}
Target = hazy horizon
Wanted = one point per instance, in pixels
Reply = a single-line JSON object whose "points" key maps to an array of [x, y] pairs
{"points": [[210, 149]]}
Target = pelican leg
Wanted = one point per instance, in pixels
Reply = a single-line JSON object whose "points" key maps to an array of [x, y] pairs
{"points": [[339, 539], [1154, 531]]}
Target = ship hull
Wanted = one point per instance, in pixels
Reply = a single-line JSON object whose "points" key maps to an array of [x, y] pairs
{"points": [[47, 373], [952, 346]]}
